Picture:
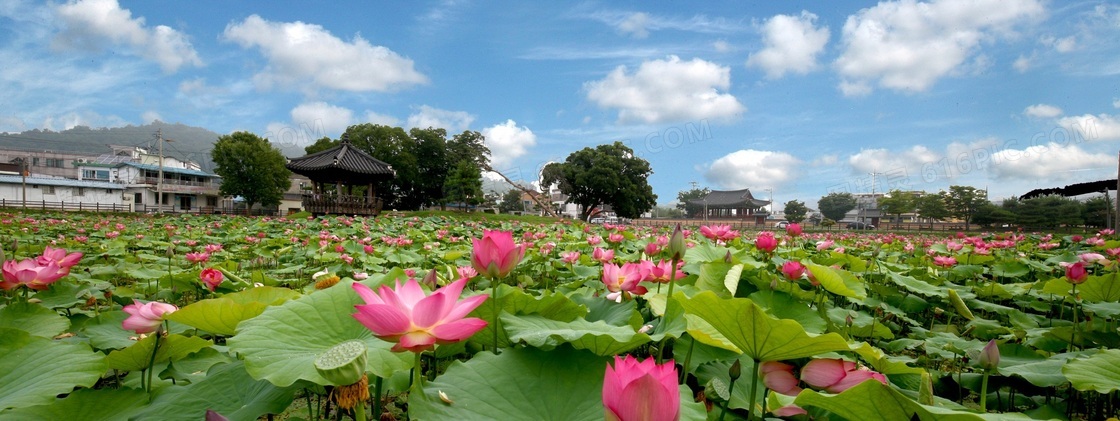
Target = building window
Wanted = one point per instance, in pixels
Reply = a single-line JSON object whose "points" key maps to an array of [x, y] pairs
{"points": [[100, 175], [55, 163], [35, 162], [80, 191], [48, 189]]}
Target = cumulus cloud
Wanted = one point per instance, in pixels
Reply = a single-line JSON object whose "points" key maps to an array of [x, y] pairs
{"points": [[749, 168], [97, 24], [452, 121], [792, 44], [309, 56], [1091, 127], [1022, 64], [321, 115], [907, 163], [907, 46], [1042, 111], [635, 25], [667, 90], [382, 119], [507, 142], [1061, 45], [1051, 161]]}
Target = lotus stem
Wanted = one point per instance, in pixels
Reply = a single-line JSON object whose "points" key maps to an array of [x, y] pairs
{"points": [[151, 362], [360, 412], [984, 392], [377, 384], [687, 361], [1073, 337], [417, 377], [497, 311]]}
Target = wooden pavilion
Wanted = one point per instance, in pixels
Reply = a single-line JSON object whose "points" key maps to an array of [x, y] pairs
{"points": [[732, 204], [344, 166]]}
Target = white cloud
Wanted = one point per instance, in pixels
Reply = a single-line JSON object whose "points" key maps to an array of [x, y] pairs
{"points": [[635, 25], [1116, 103], [792, 44], [1061, 45], [507, 142], [908, 161], [96, 24], [1089, 127], [721, 46], [749, 168], [382, 119], [667, 90], [906, 45], [150, 116], [1042, 111], [1023, 63], [330, 118], [1051, 161], [302, 54], [453, 121]]}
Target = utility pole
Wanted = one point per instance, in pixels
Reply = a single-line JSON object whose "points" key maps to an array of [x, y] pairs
{"points": [[159, 181], [23, 169]]}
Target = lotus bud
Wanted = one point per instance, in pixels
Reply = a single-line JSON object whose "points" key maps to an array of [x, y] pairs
{"points": [[677, 246], [989, 356], [343, 364], [727, 257], [736, 370]]}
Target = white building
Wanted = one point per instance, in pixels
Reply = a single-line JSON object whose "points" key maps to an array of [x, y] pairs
{"points": [[51, 192]]}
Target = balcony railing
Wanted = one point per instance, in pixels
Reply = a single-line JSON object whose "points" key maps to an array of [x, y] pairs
{"points": [[321, 204]]}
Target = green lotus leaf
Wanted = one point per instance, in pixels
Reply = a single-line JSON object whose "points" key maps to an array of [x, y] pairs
{"points": [[525, 384], [33, 318], [838, 281], [1099, 372], [173, 347], [227, 389], [92, 404], [915, 286], [550, 305], [1098, 289], [222, 315], [105, 331], [755, 333], [598, 337], [35, 370], [282, 343], [871, 401]]}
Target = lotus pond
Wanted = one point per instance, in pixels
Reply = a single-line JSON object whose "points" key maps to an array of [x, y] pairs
{"points": [[106, 317]]}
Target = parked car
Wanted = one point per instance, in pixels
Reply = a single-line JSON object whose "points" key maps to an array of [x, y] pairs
{"points": [[860, 226], [781, 224]]}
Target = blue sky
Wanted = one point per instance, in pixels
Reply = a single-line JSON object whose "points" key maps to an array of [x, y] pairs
{"points": [[803, 98]]}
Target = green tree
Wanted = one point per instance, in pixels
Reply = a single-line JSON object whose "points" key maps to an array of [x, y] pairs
{"points": [[691, 210], [464, 184], [251, 168], [989, 214], [795, 211], [834, 205], [606, 175], [1095, 211], [1049, 212], [469, 145], [395, 147], [430, 149], [511, 202], [932, 207], [320, 145], [897, 202], [963, 201]]}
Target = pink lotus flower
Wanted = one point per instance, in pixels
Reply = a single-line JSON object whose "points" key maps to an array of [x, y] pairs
{"points": [[825, 245], [945, 261], [641, 391], [594, 240], [661, 271], [1076, 273], [793, 270], [495, 254], [615, 237], [778, 376], [835, 375], [198, 257], [722, 233], [146, 317], [793, 229], [65, 261], [465, 272], [623, 281], [1093, 258], [766, 241], [30, 273], [603, 256], [212, 278], [417, 322], [652, 249], [570, 257]]}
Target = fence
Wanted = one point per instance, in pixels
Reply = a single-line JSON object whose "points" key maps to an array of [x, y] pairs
{"points": [[62, 206]]}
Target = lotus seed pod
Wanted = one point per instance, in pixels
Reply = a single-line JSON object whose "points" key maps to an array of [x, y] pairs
{"points": [[343, 364]]}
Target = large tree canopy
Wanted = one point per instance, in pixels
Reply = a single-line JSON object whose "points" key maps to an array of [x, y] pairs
{"points": [[684, 196], [251, 168], [834, 205], [963, 201], [795, 211], [606, 175]]}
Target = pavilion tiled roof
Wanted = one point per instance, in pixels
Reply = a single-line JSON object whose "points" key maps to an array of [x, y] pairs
{"points": [[730, 198], [341, 163]]}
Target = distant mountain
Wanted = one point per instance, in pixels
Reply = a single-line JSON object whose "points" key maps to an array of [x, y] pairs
{"points": [[185, 142]]}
